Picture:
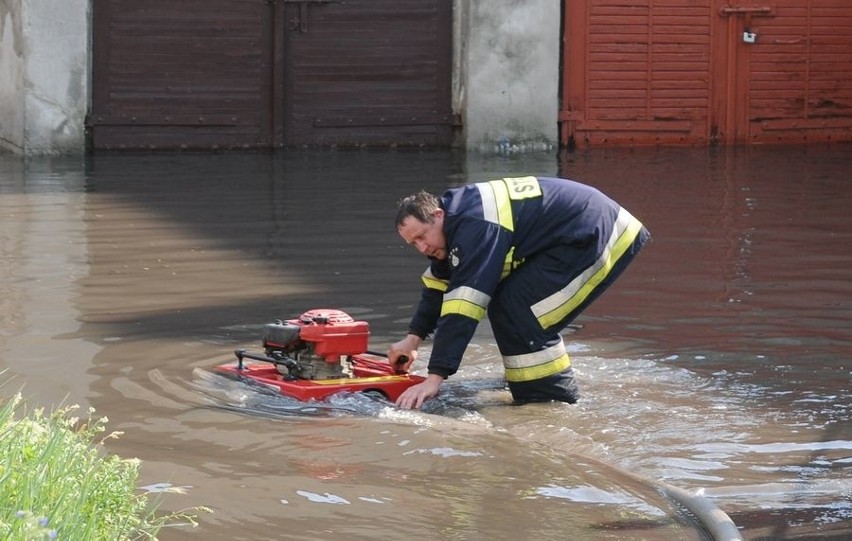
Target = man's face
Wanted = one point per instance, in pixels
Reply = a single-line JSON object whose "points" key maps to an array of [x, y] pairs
{"points": [[427, 237]]}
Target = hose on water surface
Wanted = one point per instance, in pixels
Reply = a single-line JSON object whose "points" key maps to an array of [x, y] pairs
{"points": [[709, 517], [713, 519], [717, 522]]}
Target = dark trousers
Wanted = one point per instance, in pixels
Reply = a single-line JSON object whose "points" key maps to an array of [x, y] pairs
{"points": [[517, 331]]}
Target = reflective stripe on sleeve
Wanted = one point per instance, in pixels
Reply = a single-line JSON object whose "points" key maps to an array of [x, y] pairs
{"points": [[430, 281], [465, 301], [537, 365], [556, 307]]}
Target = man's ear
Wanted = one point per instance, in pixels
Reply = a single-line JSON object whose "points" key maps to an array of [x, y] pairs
{"points": [[438, 214]]}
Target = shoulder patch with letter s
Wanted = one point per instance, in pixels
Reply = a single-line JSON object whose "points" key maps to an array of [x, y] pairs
{"points": [[523, 187]]}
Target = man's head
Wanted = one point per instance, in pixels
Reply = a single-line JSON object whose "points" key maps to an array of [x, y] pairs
{"points": [[420, 222]]}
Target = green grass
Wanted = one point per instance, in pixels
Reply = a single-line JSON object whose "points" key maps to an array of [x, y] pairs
{"points": [[56, 481]]}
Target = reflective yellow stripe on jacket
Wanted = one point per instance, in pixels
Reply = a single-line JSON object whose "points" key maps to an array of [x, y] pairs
{"points": [[537, 365], [429, 280], [554, 308], [465, 301], [497, 197]]}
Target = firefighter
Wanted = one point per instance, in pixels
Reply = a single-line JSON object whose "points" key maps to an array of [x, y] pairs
{"points": [[532, 253]]}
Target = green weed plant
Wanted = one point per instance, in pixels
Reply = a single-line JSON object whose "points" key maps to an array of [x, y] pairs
{"points": [[56, 481]]}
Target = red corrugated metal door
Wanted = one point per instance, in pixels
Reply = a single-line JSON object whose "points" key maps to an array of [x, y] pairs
{"points": [[367, 72], [793, 70], [706, 71], [636, 71]]}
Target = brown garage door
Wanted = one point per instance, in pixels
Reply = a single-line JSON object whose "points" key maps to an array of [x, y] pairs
{"points": [[187, 74], [706, 71], [368, 72], [263, 73]]}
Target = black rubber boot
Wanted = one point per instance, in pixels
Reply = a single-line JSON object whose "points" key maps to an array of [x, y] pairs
{"points": [[560, 387]]}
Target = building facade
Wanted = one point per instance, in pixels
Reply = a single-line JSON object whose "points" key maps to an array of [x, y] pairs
{"points": [[489, 75]]}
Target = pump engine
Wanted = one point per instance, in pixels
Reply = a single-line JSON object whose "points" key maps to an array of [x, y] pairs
{"points": [[320, 344]]}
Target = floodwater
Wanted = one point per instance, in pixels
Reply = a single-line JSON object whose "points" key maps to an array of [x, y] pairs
{"points": [[719, 363]]}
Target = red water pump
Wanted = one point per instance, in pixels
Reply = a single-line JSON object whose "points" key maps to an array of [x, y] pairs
{"points": [[321, 353], [320, 344]]}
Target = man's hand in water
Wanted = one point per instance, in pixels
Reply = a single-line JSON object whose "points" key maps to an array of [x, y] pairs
{"points": [[413, 397]]}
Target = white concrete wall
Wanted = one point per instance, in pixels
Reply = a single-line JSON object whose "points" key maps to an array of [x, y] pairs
{"points": [[11, 76], [44, 51], [510, 73]]}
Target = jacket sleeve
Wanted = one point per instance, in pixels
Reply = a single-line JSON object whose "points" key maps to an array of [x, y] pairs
{"points": [[436, 279], [476, 259]]}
